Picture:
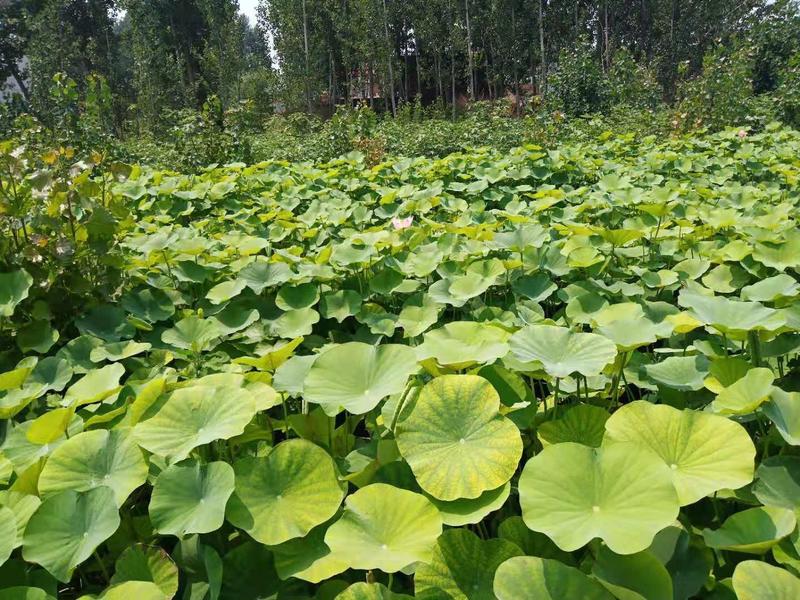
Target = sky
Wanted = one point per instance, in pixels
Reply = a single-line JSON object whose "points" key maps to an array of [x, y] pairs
{"points": [[248, 7]]}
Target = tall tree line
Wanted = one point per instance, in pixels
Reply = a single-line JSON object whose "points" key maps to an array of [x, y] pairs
{"points": [[442, 49]]}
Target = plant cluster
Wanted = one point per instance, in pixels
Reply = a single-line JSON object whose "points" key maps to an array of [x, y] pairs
{"points": [[563, 373]]}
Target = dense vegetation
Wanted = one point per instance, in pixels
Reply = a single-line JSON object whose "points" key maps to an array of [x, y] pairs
{"points": [[381, 299], [495, 374]]}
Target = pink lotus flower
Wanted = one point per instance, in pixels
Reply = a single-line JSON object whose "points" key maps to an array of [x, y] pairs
{"points": [[402, 223], [742, 134]]}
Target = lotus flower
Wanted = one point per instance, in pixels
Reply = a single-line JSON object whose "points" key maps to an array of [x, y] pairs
{"points": [[742, 134], [402, 223]]}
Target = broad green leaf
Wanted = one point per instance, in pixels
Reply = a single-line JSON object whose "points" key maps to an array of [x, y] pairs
{"points": [[633, 576], [67, 527], [356, 376], [745, 395], [753, 531], [225, 291], [307, 558], [463, 565], [783, 409], [463, 343], [622, 494], [756, 580], [704, 452], [682, 373], [467, 511], [95, 386], [38, 336], [544, 579], [455, 440], [14, 288], [778, 482], [147, 563], [285, 494], [386, 528], [582, 423], [8, 533], [190, 497], [370, 591], [561, 351], [194, 416], [141, 590], [93, 459]]}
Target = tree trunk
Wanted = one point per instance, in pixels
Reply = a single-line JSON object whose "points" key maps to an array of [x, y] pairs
{"points": [[390, 49], [305, 49], [417, 66], [543, 82], [469, 54]]}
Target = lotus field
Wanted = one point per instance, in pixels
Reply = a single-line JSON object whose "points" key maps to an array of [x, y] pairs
{"points": [[563, 373]]}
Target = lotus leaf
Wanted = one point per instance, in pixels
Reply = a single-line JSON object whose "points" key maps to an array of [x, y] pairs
{"points": [[561, 351], [756, 580], [753, 531], [545, 579]]}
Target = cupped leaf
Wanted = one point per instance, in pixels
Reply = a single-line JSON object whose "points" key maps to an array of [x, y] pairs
{"points": [[467, 511], [386, 528], [622, 494], [544, 579], [561, 351], [783, 409], [356, 376], [746, 394], [307, 558], [194, 416], [147, 563], [704, 452], [778, 482], [463, 343], [463, 565], [14, 288], [191, 497], [455, 440], [753, 531], [67, 527], [756, 580], [93, 459], [285, 494], [582, 423], [95, 386]]}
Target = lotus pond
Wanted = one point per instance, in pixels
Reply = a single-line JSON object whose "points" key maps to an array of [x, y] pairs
{"points": [[563, 373]]}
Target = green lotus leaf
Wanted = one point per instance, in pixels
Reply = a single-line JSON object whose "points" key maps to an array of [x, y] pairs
{"points": [[106, 322], [730, 316], [772, 288], [290, 376], [544, 579], [682, 373], [285, 494], [778, 482], [147, 563], [639, 575], [20, 592], [745, 395], [260, 275], [753, 531], [756, 580], [783, 409], [377, 319], [23, 453], [307, 558], [467, 511], [93, 459], [297, 297], [370, 591], [141, 590], [190, 497], [463, 343], [582, 423], [537, 287], [95, 386], [419, 312], [194, 416], [225, 291], [117, 351], [8, 533], [248, 573], [463, 565], [356, 376], [456, 442], [629, 334], [386, 528], [295, 323], [148, 304], [725, 279], [51, 373], [22, 505], [38, 336], [530, 542], [561, 351], [705, 452], [67, 527], [77, 353], [192, 333], [340, 305], [622, 494], [14, 288]]}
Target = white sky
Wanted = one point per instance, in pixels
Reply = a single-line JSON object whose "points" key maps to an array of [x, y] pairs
{"points": [[248, 7]]}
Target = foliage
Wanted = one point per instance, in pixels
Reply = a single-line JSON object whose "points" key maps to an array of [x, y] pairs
{"points": [[570, 370]]}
